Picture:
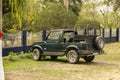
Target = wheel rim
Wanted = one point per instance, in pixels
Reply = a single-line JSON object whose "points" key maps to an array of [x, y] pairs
{"points": [[72, 57], [36, 54]]}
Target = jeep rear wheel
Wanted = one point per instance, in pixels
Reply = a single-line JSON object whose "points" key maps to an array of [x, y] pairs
{"points": [[36, 54], [99, 42], [72, 56], [53, 57], [89, 58]]}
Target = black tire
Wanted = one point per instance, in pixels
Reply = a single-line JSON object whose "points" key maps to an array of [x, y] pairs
{"points": [[53, 57], [99, 43], [89, 58], [72, 56], [37, 54]]}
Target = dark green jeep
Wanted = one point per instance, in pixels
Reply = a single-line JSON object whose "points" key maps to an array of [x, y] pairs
{"points": [[67, 42]]}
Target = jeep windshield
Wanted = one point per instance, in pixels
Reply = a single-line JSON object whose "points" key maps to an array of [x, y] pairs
{"points": [[53, 35]]}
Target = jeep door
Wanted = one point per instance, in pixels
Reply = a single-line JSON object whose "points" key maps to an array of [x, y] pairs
{"points": [[67, 40], [52, 41]]}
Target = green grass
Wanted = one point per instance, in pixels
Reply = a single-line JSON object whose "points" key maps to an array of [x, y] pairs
{"points": [[60, 69], [22, 62], [112, 52]]}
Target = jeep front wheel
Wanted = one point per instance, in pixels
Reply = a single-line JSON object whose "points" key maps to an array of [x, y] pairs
{"points": [[36, 54], [72, 56], [89, 58]]}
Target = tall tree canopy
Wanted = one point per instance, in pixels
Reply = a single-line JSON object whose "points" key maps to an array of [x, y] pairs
{"points": [[21, 9], [5, 6], [25, 11], [54, 16]]}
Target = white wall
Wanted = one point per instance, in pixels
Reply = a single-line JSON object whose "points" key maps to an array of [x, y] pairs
{"points": [[1, 64]]}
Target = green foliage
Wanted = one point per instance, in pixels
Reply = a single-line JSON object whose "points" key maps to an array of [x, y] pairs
{"points": [[23, 55], [5, 6], [90, 24], [9, 23], [115, 3], [12, 56], [28, 55], [55, 16], [115, 16], [22, 10], [75, 6], [52, 14], [15, 56], [36, 15]]}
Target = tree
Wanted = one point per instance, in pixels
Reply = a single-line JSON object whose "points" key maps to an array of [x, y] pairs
{"points": [[116, 9], [26, 12], [74, 5], [9, 23], [22, 9], [115, 3], [90, 24], [5, 6], [88, 14], [55, 16]]}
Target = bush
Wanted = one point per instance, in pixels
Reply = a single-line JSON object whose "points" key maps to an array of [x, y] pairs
{"points": [[12, 56], [28, 55], [90, 24], [23, 55], [55, 16]]}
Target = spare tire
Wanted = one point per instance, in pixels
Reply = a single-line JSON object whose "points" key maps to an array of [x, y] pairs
{"points": [[99, 43]]}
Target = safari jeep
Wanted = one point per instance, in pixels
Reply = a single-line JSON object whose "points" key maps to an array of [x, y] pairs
{"points": [[69, 43]]}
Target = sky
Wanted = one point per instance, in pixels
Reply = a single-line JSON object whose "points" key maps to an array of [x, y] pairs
{"points": [[105, 8], [102, 8]]}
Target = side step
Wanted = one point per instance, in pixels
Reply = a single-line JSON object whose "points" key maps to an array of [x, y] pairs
{"points": [[53, 53]]}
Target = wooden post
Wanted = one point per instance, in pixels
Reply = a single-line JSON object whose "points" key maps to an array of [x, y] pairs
{"points": [[85, 31], [117, 35], [103, 32], [94, 31], [110, 34], [24, 41], [44, 35]]}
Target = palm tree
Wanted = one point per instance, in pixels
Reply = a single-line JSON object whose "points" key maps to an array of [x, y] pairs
{"points": [[20, 10]]}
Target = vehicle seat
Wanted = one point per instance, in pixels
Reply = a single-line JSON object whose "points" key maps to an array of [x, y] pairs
{"points": [[64, 40], [70, 40]]}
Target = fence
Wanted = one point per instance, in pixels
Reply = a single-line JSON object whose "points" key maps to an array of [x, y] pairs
{"points": [[22, 40]]}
